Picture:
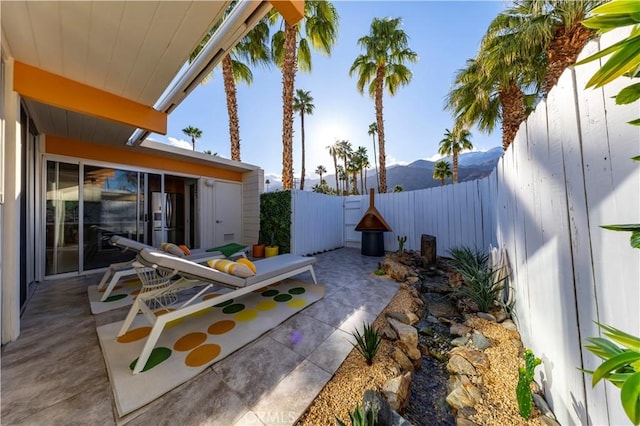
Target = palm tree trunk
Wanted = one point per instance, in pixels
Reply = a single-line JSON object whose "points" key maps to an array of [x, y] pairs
{"points": [[513, 113], [441, 181], [363, 180], [379, 90], [289, 67], [563, 52], [375, 160], [455, 167], [303, 170], [346, 173], [193, 142], [232, 107], [335, 168]]}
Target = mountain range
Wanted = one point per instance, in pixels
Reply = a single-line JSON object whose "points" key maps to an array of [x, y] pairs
{"points": [[419, 174]]}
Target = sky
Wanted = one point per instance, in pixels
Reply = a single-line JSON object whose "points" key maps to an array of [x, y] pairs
{"points": [[444, 34]]}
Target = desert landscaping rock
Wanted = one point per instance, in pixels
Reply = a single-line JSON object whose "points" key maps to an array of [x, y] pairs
{"points": [[477, 358], [396, 391], [375, 401], [459, 365], [480, 341], [460, 341], [414, 355], [509, 325], [486, 316], [548, 421], [459, 329], [462, 421], [401, 358], [404, 317], [465, 395], [543, 406], [388, 333], [499, 314], [407, 334], [440, 306]]}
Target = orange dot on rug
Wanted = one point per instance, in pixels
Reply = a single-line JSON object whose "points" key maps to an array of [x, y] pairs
{"points": [[189, 341], [135, 334], [210, 296], [202, 355], [221, 327]]}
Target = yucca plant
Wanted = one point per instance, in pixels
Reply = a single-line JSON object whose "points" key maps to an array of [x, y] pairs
{"points": [[368, 342], [621, 366], [360, 417], [480, 283]]}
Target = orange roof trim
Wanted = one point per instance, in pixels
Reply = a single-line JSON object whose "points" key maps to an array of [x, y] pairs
{"points": [[291, 10], [52, 89]]}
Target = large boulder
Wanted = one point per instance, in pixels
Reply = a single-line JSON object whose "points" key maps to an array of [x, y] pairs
{"points": [[396, 391]]}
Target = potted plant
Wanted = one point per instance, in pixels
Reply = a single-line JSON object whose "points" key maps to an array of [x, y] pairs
{"points": [[272, 249], [257, 251]]}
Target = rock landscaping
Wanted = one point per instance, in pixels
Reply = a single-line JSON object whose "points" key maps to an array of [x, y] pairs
{"points": [[439, 362]]}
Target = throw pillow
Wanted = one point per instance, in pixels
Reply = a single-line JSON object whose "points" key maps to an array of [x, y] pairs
{"points": [[172, 249], [185, 250], [230, 267], [249, 264]]}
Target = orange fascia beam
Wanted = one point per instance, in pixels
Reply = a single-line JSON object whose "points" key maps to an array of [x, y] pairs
{"points": [[291, 10], [52, 89]]}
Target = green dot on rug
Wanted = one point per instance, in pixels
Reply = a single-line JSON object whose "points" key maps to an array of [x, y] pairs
{"points": [[158, 355], [283, 298], [269, 293], [232, 309], [297, 290], [223, 304]]}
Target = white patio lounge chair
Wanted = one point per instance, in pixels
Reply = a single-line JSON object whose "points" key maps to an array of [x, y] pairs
{"points": [[157, 269], [117, 271]]}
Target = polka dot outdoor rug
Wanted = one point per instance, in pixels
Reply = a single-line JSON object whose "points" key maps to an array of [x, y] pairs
{"points": [[121, 295], [188, 346]]}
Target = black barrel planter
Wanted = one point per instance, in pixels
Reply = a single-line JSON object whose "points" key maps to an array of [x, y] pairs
{"points": [[372, 225]]}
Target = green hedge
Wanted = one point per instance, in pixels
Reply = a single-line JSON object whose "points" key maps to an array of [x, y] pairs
{"points": [[275, 216]]}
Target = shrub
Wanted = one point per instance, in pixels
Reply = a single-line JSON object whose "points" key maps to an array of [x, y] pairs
{"points": [[480, 283], [523, 389], [360, 417], [367, 343]]}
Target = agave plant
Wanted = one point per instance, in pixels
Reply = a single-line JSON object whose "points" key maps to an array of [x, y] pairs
{"points": [[621, 366], [360, 417], [368, 342]]}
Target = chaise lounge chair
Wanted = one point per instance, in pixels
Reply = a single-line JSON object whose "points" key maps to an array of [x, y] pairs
{"points": [[158, 271], [117, 271]]}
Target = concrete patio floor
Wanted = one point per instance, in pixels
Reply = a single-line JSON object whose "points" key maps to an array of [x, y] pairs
{"points": [[55, 373]]}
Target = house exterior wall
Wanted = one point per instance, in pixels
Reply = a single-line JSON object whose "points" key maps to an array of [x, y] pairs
{"points": [[252, 187]]}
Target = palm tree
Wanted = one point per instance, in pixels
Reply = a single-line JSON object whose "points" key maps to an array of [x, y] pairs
{"points": [[553, 27], [383, 65], [341, 176], [452, 144], [333, 151], [302, 104], [321, 29], [267, 182], [344, 152], [373, 129], [362, 161], [253, 50], [442, 171], [320, 170], [194, 133], [398, 188]]}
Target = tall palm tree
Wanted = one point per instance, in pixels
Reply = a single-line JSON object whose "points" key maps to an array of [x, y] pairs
{"points": [[320, 24], [553, 27], [373, 129], [383, 65], [442, 171], [362, 161], [344, 152], [452, 144], [341, 176], [194, 133], [333, 151], [320, 170], [303, 104], [252, 50]]}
